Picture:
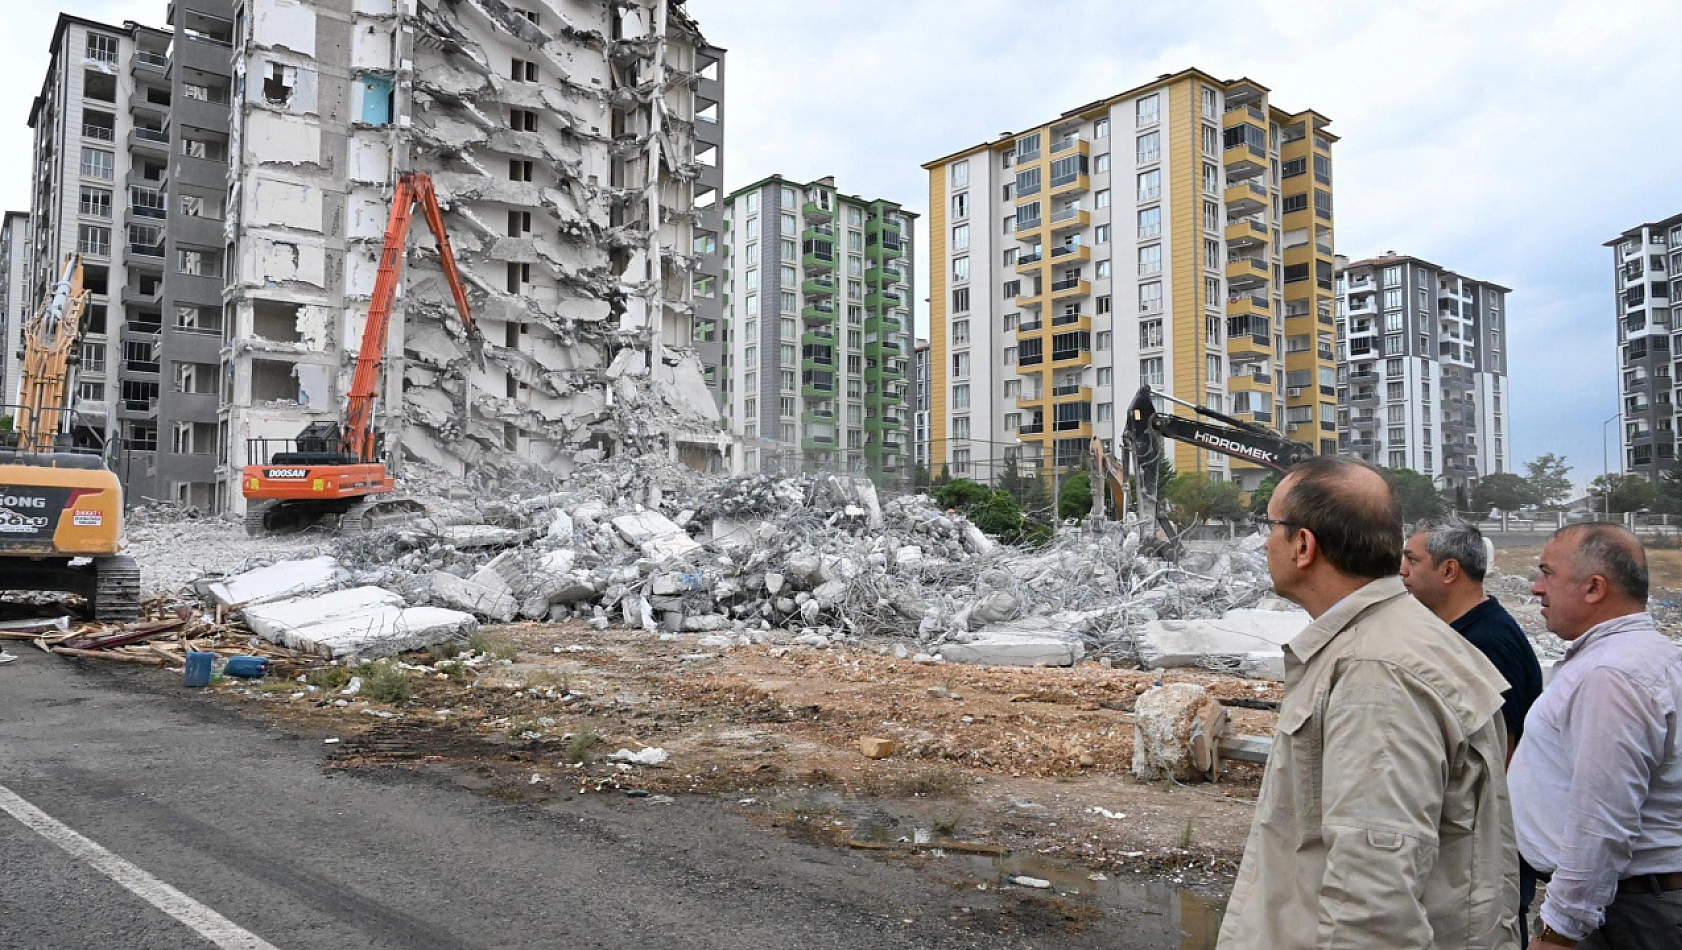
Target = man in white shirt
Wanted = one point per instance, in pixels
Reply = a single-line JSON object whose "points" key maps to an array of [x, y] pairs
{"points": [[1597, 781]]}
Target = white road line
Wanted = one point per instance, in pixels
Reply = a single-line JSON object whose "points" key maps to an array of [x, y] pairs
{"points": [[207, 923]]}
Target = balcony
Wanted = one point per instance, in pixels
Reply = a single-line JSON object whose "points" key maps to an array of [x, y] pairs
{"points": [[98, 133], [151, 251], [146, 62], [1070, 288], [1364, 397], [1031, 428], [1248, 305], [1072, 321], [1246, 233], [1075, 393], [818, 338], [817, 314], [1071, 146], [818, 261], [813, 211], [1028, 262], [1245, 198], [155, 141], [1070, 185], [878, 299], [877, 348], [1069, 219], [1028, 225], [818, 443], [1066, 253], [1246, 273]]}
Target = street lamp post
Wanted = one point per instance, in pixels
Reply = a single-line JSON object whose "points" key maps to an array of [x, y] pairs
{"points": [[1605, 470]]}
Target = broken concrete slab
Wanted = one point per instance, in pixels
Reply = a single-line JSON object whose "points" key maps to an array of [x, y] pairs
{"points": [[1016, 644], [657, 536], [1247, 642], [493, 602], [1176, 729], [276, 581], [360, 621]]}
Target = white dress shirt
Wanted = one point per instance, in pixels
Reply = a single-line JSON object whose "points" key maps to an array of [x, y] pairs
{"points": [[1597, 780]]}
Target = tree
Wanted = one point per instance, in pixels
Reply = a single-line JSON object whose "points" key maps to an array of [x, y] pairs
{"points": [[920, 477], [1264, 493], [1195, 497], [1031, 495], [1669, 499], [944, 478], [1549, 478], [1503, 490], [1075, 498], [992, 510], [1620, 493], [1417, 495]]}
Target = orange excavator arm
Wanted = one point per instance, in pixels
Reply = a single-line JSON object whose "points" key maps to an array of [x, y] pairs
{"points": [[413, 188], [50, 339]]}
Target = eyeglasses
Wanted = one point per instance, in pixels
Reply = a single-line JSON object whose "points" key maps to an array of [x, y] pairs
{"points": [[1270, 522]]}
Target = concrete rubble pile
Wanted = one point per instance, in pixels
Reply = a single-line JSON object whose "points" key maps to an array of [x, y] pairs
{"points": [[802, 559]]}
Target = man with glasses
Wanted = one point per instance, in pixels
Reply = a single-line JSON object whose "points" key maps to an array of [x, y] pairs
{"points": [[1597, 781], [1383, 820]]}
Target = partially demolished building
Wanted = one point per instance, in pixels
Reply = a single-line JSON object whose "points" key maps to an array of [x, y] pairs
{"points": [[577, 150]]}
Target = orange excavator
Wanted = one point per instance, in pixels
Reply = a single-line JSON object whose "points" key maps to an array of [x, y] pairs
{"points": [[336, 471], [61, 507]]}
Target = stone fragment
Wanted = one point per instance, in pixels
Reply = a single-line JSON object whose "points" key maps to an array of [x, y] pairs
{"points": [[474, 596], [360, 621], [773, 583], [278, 580], [1176, 728], [1247, 642], [874, 748], [655, 535]]}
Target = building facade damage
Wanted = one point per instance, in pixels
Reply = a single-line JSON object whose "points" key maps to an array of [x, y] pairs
{"points": [[573, 144]]}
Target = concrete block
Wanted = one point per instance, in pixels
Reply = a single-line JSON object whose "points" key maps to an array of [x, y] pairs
{"points": [[1247, 642], [654, 534], [874, 748], [1013, 650], [494, 603], [478, 536], [1176, 731], [277, 581], [361, 621]]}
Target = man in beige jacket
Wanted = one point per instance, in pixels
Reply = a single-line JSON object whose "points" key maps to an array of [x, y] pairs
{"points": [[1383, 820]]}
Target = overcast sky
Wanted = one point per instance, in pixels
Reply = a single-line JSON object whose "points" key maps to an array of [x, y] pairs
{"points": [[1504, 140]]}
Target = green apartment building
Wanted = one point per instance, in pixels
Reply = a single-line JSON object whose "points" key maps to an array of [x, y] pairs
{"points": [[818, 291]]}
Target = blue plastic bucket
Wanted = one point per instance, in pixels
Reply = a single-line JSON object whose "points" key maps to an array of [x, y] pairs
{"points": [[198, 669]]}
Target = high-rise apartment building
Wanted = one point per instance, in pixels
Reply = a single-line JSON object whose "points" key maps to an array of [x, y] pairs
{"points": [[1178, 234], [920, 407], [130, 139], [819, 297], [1424, 385], [14, 264], [577, 151], [1647, 277]]}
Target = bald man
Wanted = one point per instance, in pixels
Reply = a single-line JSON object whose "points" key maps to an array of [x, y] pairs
{"points": [[1383, 820], [1597, 781]]}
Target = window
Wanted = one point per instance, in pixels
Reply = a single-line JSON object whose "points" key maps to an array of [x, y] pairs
{"points": [[1102, 303], [1101, 234], [1028, 147], [102, 48], [960, 333], [1101, 164], [1150, 297], [521, 70], [93, 240], [1392, 300], [960, 396], [95, 202], [960, 238], [751, 230], [789, 225], [1322, 169], [1101, 198], [1148, 148], [788, 249], [1146, 111], [960, 365], [1294, 203], [1150, 260], [1150, 371], [1211, 216], [960, 268], [960, 173], [1012, 289], [1150, 334], [519, 170], [1100, 270], [1211, 254], [199, 262], [1027, 182], [1393, 368], [1322, 204], [1150, 223], [1150, 185], [1106, 376], [1101, 128], [98, 163]]}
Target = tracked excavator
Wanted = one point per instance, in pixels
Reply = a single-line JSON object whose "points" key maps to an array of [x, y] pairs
{"points": [[335, 471], [61, 507], [1142, 452]]}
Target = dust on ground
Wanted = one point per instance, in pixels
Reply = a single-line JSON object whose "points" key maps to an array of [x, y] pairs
{"points": [[1035, 761]]}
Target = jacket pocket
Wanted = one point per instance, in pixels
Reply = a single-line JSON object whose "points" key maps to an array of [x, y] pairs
{"points": [[1294, 795]]}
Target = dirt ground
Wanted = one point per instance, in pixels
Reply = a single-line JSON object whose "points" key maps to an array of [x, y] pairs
{"points": [[989, 760], [1664, 564]]}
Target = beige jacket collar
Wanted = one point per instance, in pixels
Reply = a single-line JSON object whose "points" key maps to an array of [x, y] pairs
{"points": [[1322, 631]]}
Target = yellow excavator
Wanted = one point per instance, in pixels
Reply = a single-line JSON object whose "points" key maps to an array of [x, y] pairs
{"points": [[61, 507]]}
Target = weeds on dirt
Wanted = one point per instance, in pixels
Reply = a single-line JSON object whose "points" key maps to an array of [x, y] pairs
{"points": [[329, 677], [939, 781], [578, 748], [1185, 836], [384, 682], [493, 647], [454, 669], [522, 728]]}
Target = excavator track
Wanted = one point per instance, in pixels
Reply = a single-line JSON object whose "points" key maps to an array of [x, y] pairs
{"points": [[255, 513], [377, 514], [116, 594]]}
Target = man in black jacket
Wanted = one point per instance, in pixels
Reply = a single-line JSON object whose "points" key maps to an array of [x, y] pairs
{"points": [[1443, 564]]}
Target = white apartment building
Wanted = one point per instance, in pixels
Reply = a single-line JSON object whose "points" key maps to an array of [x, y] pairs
{"points": [[1647, 278], [1423, 383]]}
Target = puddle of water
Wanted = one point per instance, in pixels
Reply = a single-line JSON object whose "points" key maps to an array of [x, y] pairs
{"points": [[1141, 913]]}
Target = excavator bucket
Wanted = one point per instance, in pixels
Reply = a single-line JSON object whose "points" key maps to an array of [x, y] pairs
{"points": [[1144, 449]]}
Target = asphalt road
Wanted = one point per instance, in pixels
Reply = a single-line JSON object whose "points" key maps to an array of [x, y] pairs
{"points": [[237, 829]]}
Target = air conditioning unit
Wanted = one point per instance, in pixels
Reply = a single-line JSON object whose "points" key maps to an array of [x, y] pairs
{"points": [[1294, 392]]}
